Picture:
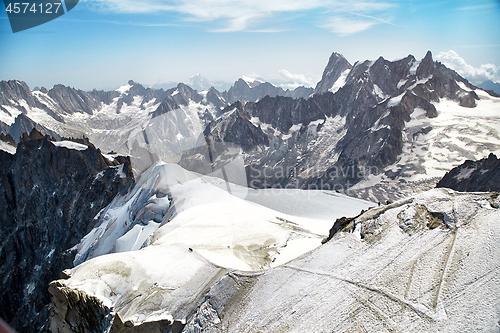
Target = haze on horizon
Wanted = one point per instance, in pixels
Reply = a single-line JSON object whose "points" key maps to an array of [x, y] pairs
{"points": [[104, 43]]}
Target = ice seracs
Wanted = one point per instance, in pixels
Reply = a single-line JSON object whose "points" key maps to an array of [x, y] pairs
{"points": [[192, 229], [426, 263], [170, 205]]}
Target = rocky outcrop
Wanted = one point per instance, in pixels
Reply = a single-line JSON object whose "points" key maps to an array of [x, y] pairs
{"points": [[8, 139], [75, 311], [234, 127], [177, 97], [491, 87], [49, 196], [474, 176]]}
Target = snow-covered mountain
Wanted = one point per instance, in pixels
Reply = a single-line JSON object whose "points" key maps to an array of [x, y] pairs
{"points": [[427, 263], [201, 83], [234, 193], [196, 228], [147, 124], [381, 130]]}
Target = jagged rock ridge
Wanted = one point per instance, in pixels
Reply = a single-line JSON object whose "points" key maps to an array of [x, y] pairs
{"points": [[49, 196], [474, 176], [358, 125]]}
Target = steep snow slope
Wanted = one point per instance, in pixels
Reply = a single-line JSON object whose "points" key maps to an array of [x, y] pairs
{"points": [[170, 205], [425, 264], [192, 229]]}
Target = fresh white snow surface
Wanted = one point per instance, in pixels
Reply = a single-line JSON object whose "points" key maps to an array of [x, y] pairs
{"points": [[402, 276], [170, 205], [191, 231], [70, 145], [340, 81], [7, 147]]}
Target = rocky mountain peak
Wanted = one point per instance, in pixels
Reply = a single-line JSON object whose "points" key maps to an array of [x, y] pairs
{"points": [[15, 90], [71, 100], [336, 67], [426, 66], [34, 135], [49, 196]]}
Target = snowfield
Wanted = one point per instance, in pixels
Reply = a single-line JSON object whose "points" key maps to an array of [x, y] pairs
{"points": [[191, 230], [70, 145], [424, 264], [403, 269], [433, 146], [170, 205]]}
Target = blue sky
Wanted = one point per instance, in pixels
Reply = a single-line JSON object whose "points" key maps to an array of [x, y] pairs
{"points": [[104, 43]]}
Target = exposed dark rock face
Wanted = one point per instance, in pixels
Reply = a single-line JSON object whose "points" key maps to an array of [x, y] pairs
{"points": [[333, 70], [474, 176], [82, 313], [49, 197], [137, 90], [8, 138], [234, 127], [244, 92], [23, 125], [104, 96], [15, 90], [72, 100], [372, 108], [216, 98], [177, 97]]}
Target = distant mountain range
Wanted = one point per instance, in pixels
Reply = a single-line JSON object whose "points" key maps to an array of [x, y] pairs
{"points": [[490, 85], [156, 202], [379, 129]]}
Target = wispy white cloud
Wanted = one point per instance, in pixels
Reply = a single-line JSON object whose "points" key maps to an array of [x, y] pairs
{"points": [[284, 79], [240, 15], [475, 75], [344, 26], [292, 81], [133, 23], [477, 7]]}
